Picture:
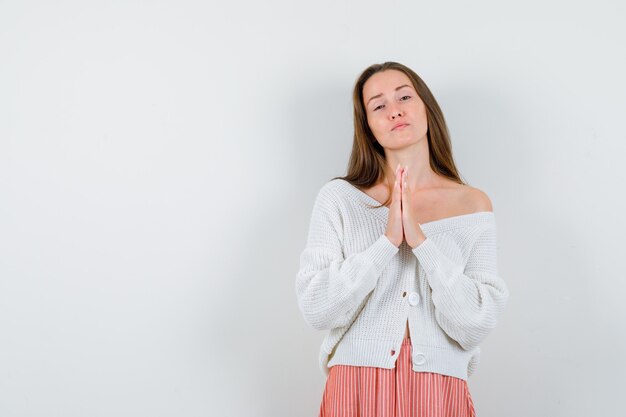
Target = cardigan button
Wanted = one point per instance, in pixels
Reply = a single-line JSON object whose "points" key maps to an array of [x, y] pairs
{"points": [[404, 294], [414, 298], [393, 352], [419, 358]]}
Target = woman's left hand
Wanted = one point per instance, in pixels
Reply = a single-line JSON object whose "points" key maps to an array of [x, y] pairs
{"points": [[412, 231]]}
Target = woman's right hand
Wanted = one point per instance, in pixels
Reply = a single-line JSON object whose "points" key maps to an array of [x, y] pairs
{"points": [[394, 231]]}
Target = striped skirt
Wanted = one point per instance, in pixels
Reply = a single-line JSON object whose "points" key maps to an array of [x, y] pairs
{"points": [[360, 391]]}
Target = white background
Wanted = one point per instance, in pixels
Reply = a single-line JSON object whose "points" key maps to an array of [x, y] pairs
{"points": [[159, 161]]}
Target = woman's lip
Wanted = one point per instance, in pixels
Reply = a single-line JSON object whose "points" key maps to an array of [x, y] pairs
{"points": [[400, 126]]}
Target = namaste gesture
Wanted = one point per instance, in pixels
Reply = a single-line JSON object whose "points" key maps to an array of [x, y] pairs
{"points": [[402, 224]]}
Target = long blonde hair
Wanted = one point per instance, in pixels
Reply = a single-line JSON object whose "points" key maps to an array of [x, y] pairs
{"points": [[367, 160]]}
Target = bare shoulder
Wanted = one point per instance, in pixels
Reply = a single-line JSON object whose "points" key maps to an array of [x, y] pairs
{"points": [[476, 199]]}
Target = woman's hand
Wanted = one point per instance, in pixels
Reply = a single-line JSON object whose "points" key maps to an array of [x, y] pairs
{"points": [[412, 231], [394, 230]]}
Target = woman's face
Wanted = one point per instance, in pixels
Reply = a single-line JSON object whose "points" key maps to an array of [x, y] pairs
{"points": [[389, 99]]}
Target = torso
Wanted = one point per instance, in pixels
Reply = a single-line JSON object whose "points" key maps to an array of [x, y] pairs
{"points": [[445, 200]]}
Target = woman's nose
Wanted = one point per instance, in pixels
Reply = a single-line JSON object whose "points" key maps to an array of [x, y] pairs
{"points": [[394, 112]]}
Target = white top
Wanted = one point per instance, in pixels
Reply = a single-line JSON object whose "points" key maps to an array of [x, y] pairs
{"points": [[353, 282]]}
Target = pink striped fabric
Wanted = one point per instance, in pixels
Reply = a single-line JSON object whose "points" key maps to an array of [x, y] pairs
{"points": [[360, 391]]}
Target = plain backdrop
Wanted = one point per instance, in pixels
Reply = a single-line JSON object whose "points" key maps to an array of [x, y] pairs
{"points": [[159, 162]]}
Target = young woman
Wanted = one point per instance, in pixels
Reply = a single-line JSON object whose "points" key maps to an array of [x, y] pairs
{"points": [[400, 263]]}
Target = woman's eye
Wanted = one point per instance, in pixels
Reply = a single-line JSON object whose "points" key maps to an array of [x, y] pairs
{"points": [[376, 108]]}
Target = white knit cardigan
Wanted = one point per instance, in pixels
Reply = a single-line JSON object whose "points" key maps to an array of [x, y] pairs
{"points": [[361, 288]]}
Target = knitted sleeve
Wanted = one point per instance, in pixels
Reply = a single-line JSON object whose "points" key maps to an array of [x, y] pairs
{"points": [[329, 286], [468, 299]]}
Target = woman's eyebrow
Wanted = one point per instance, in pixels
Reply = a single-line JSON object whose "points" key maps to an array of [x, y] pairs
{"points": [[378, 95]]}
